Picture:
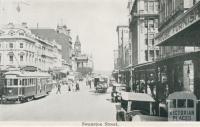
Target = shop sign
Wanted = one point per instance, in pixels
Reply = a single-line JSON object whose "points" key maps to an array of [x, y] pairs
{"points": [[181, 115], [188, 19]]}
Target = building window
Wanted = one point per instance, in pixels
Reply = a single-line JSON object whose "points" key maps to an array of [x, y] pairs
{"points": [[156, 23], [157, 53], [151, 6], [146, 55], [11, 45], [146, 6], [151, 23], [152, 54], [11, 58], [151, 42], [146, 23], [156, 6], [21, 57], [21, 45], [146, 41]]}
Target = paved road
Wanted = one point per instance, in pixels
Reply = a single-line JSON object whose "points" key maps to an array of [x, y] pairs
{"points": [[84, 105]]}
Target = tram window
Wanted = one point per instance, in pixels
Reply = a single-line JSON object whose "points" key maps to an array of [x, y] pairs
{"points": [[8, 82], [31, 81], [23, 82], [20, 82], [190, 103], [16, 82], [173, 104], [28, 82], [182, 103]]}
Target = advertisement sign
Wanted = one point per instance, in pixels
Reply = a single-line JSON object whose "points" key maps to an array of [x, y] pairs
{"points": [[182, 114], [182, 106]]}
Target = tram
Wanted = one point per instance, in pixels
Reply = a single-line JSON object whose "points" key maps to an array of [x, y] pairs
{"points": [[24, 86]]}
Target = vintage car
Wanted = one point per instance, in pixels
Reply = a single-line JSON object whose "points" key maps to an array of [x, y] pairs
{"points": [[134, 105], [116, 92], [100, 84]]}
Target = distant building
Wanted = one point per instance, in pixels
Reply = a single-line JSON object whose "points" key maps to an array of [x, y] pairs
{"points": [[116, 59], [82, 63], [77, 47], [62, 36], [20, 48], [123, 46]]}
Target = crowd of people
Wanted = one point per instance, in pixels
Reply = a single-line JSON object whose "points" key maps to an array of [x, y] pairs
{"points": [[71, 84]]}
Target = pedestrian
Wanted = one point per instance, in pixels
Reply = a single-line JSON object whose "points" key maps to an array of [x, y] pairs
{"points": [[89, 82], [77, 86], [69, 88], [59, 89]]}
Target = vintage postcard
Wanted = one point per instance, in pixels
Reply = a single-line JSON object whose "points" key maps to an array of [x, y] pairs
{"points": [[104, 63]]}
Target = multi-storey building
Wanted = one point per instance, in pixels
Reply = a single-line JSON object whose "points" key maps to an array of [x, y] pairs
{"points": [[124, 54], [123, 46], [20, 48], [178, 65], [62, 36], [143, 28]]}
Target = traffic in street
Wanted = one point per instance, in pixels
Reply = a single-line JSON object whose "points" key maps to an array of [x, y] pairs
{"points": [[82, 105]]}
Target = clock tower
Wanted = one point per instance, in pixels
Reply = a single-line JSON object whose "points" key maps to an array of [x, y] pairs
{"points": [[77, 46]]}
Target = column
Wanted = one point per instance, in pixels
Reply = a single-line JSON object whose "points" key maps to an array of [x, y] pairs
{"points": [[197, 84]]}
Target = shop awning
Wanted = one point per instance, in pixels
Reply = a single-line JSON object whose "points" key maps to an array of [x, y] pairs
{"points": [[182, 32], [131, 96]]}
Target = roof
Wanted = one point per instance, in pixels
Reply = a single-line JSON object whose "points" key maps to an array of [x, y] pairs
{"points": [[182, 95], [27, 74], [119, 85], [130, 96], [51, 35]]}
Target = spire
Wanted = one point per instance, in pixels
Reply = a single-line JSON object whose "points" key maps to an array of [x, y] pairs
{"points": [[77, 39], [77, 46]]}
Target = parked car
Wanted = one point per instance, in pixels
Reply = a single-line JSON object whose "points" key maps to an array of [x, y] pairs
{"points": [[133, 104], [116, 92]]}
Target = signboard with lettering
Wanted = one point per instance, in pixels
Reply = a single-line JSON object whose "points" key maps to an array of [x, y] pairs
{"points": [[181, 115], [187, 19], [182, 106]]}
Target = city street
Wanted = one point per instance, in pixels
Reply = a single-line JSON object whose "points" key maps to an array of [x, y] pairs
{"points": [[84, 105]]}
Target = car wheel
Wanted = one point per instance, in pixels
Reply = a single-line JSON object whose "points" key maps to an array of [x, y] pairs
{"points": [[120, 116], [128, 117]]}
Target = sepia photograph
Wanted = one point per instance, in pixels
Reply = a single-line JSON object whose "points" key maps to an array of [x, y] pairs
{"points": [[104, 63]]}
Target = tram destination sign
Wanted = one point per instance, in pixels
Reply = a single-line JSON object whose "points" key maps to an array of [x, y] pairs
{"points": [[190, 17]]}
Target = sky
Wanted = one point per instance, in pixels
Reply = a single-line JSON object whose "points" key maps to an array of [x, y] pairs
{"points": [[95, 22]]}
